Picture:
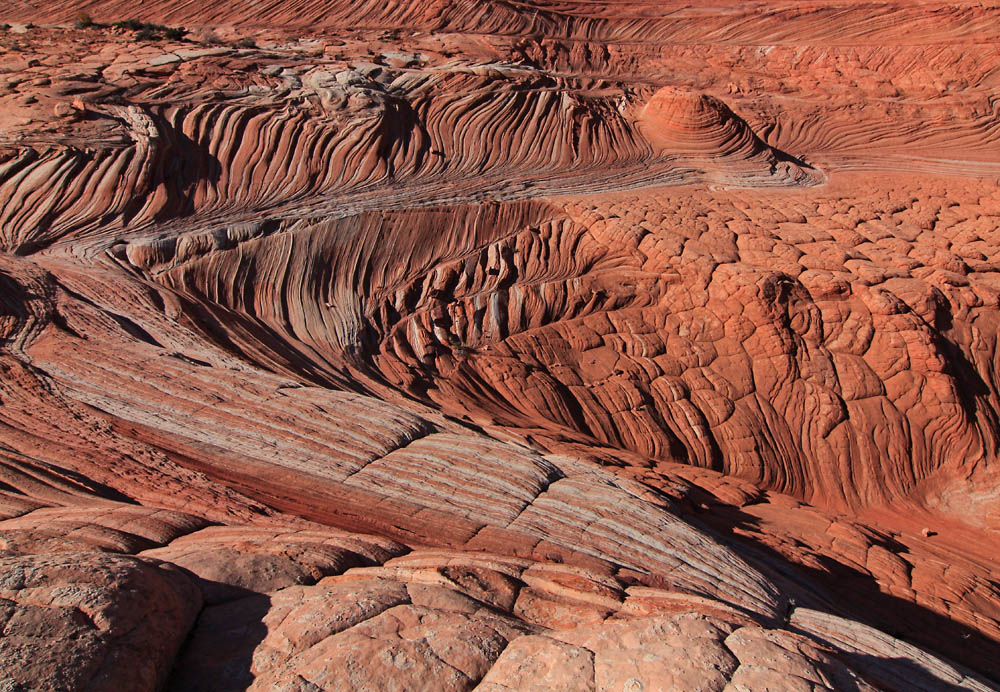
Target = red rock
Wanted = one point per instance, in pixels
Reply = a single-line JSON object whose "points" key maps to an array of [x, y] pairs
{"points": [[499, 346], [91, 621], [232, 561]]}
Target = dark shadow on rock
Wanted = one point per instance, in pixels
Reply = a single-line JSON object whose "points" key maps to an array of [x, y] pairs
{"points": [[785, 157], [218, 653], [838, 589], [899, 674], [177, 166]]}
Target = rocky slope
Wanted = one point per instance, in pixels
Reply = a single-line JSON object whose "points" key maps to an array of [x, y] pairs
{"points": [[499, 346]]}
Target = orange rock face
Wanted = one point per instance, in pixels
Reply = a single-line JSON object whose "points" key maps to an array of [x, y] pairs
{"points": [[499, 346]]}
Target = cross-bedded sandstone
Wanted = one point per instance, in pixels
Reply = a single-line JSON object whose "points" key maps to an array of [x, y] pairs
{"points": [[499, 346]]}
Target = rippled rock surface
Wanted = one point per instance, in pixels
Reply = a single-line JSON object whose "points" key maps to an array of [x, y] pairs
{"points": [[499, 346]]}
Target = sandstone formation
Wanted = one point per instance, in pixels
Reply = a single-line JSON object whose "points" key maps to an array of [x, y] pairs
{"points": [[499, 346]]}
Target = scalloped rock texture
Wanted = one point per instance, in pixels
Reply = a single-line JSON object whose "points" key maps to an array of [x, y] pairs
{"points": [[499, 346]]}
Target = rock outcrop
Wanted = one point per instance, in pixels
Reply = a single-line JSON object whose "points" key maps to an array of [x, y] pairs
{"points": [[499, 346]]}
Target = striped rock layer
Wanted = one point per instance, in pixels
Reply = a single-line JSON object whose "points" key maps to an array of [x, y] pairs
{"points": [[499, 346]]}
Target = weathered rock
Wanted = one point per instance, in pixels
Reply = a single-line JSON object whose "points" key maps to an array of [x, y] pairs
{"points": [[85, 621], [231, 561], [499, 345]]}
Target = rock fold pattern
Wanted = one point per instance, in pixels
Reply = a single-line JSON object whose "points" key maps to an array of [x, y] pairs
{"points": [[499, 346]]}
